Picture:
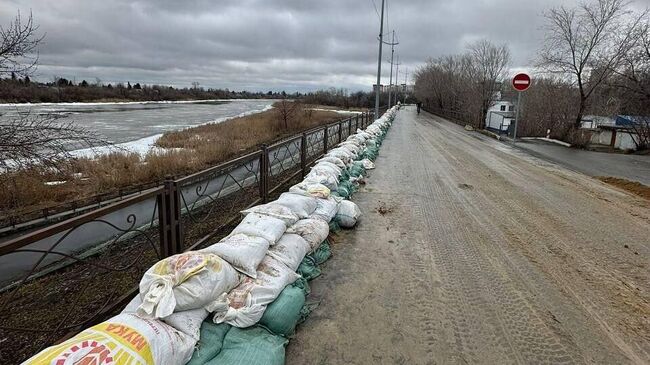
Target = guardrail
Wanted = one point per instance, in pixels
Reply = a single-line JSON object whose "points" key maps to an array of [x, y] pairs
{"points": [[456, 116], [78, 272]]}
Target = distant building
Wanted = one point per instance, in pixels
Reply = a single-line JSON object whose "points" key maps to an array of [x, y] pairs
{"points": [[615, 132], [500, 115]]}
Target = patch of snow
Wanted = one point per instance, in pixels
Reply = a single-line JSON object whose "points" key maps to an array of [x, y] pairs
{"points": [[337, 111], [53, 183], [551, 140]]}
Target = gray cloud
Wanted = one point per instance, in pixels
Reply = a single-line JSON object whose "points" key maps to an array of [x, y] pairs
{"points": [[263, 44]]}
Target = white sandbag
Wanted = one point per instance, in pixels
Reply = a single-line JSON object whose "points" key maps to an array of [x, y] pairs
{"points": [[315, 190], [259, 225], [185, 281], [188, 322], [347, 215], [274, 210], [323, 177], [328, 166], [326, 209], [290, 250], [247, 302], [343, 155], [314, 231], [242, 251], [352, 147], [123, 339], [337, 161], [367, 164], [302, 205]]}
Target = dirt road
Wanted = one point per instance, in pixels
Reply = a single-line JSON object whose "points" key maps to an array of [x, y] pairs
{"points": [[473, 252]]}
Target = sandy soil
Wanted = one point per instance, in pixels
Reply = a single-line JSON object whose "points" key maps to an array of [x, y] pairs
{"points": [[473, 252]]}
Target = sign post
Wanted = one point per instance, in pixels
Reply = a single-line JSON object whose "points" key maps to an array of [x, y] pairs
{"points": [[521, 82]]}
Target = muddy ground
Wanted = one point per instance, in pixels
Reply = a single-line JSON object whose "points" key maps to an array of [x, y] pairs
{"points": [[473, 252]]}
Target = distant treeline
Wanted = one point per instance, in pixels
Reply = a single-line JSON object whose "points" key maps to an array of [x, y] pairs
{"points": [[343, 99], [23, 90]]}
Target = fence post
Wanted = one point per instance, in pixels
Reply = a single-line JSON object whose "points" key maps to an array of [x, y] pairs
{"points": [[340, 131], [169, 220], [264, 174], [325, 138], [350, 125], [303, 154]]}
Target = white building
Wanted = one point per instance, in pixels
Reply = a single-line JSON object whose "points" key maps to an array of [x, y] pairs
{"points": [[500, 115]]}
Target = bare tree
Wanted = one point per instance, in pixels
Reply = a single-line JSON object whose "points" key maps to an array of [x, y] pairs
{"points": [[28, 140], [41, 140], [286, 111], [489, 68], [18, 42], [586, 43]]}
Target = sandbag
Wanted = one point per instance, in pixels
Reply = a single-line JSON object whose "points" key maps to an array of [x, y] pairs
{"points": [[190, 280], [282, 316], [123, 339], [247, 302], [310, 189], [322, 176], [258, 225], [348, 214], [290, 250], [187, 322], [326, 209], [328, 166], [242, 251], [314, 231], [303, 206], [308, 268], [322, 253], [274, 210], [251, 346], [211, 342], [336, 161], [367, 164]]}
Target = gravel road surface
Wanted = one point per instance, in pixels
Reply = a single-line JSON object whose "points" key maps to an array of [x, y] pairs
{"points": [[473, 252]]}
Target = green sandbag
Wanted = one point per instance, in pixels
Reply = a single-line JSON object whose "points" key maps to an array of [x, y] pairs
{"points": [[334, 226], [343, 191], [308, 268], [211, 341], [251, 346], [322, 253], [356, 169], [282, 316], [302, 284]]}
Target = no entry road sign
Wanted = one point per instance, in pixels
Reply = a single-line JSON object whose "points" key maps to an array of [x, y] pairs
{"points": [[521, 82]]}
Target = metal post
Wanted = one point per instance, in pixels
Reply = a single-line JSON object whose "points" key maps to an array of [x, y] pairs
{"points": [[264, 174], [514, 133], [169, 220], [303, 154], [340, 131], [390, 83], [381, 43], [325, 138], [350, 125]]}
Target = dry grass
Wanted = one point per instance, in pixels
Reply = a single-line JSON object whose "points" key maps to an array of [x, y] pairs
{"points": [[631, 186], [182, 152]]}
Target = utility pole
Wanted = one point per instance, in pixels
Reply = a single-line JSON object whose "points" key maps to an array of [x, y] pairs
{"points": [[406, 85], [381, 43], [390, 83], [397, 81]]}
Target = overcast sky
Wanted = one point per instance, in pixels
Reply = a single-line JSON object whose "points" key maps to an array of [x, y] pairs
{"points": [[266, 44]]}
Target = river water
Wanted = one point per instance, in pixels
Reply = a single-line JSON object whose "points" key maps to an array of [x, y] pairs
{"points": [[129, 122]]}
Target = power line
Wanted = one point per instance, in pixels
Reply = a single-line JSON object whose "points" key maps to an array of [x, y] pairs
{"points": [[375, 5]]}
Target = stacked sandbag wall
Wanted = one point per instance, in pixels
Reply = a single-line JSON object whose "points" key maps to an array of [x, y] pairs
{"points": [[238, 300]]}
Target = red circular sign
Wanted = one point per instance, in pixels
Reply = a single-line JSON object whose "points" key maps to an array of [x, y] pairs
{"points": [[521, 82]]}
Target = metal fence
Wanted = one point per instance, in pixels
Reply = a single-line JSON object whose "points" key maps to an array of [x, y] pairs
{"points": [[80, 271]]}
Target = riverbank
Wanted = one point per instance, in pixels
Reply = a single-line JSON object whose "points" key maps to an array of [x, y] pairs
{"points": [[178, 153]]}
